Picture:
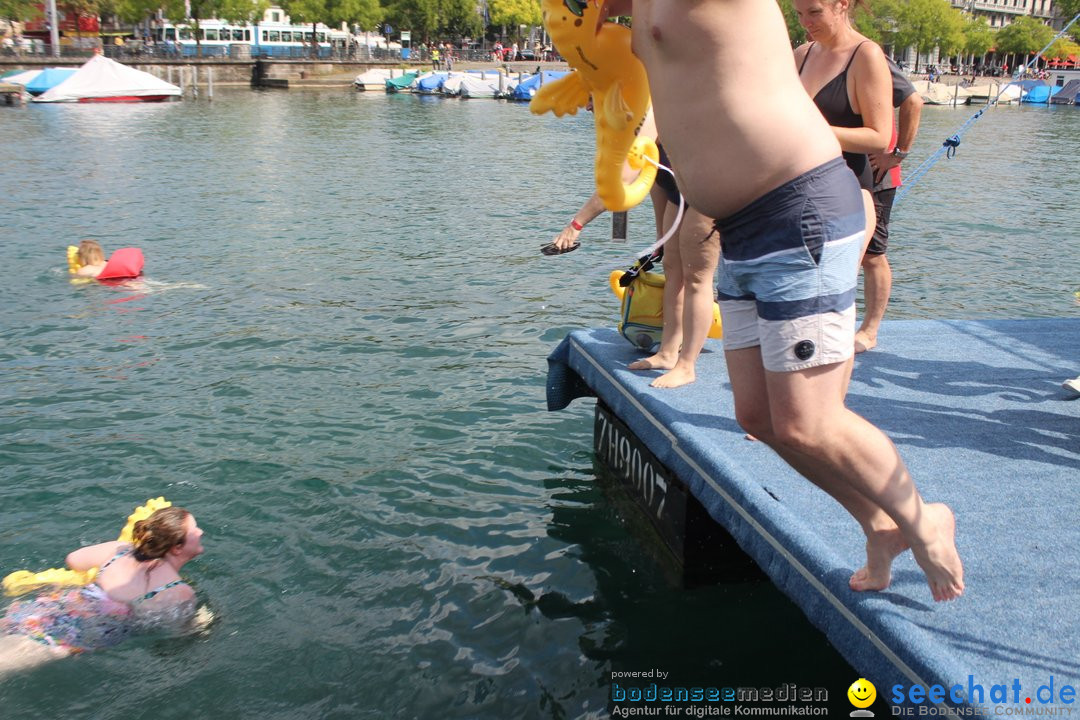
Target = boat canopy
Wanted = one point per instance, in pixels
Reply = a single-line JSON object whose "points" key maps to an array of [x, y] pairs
{"points": [[101, 78], [48, 79], [528, 87], [1069, 94]]}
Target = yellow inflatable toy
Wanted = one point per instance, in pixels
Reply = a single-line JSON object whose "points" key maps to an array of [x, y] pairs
{"points": [[641, 317], [24, 581], [73, 259], [609, 71]]}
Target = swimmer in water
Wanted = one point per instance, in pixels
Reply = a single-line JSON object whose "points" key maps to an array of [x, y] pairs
{"points": [[92, 259], [138, 588]]}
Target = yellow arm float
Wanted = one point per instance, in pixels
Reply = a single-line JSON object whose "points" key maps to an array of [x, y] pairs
{"points": [[607, 69], [73, 259], [24, 581]]}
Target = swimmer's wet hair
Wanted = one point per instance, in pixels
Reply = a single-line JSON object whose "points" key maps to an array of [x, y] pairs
{"points": [[90, 252], [153, 537]]}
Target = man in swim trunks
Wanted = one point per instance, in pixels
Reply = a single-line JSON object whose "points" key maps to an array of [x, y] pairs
{"points": [[792, 226]]}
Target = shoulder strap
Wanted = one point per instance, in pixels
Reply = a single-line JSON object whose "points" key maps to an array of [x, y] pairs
{"points": [[166, 586], [804, 57], [120, 552], [853, 54]]}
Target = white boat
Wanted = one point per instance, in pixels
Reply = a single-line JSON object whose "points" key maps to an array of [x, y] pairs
{"points": [[373, 79], [942, 94], [492, 85], [103, 80]]}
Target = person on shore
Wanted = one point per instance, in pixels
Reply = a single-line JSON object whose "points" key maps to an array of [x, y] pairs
{"points": [[877, 275], [91, 258], [138, 587], [792, 224], [435, 58]]}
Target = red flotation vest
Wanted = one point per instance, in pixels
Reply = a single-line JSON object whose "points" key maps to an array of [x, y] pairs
{"points": [[124, 263]]}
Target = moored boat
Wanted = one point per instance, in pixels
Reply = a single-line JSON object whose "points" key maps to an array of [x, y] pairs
{"points": [[103, 80]]}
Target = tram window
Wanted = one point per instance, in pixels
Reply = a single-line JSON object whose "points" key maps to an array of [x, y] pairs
{"points": [[322, 37], [238, 35], [170, 33], [185, 33], [274, 36], [286, 36], [210, 34]]}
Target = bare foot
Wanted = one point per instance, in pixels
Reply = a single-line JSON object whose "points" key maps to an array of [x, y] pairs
{"points": [[659, 361], [938, 557], [864, 341], [679, 375], [882, 547]]}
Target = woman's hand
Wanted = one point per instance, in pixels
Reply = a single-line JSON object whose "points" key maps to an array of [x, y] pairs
{"points": [[566, 237]]}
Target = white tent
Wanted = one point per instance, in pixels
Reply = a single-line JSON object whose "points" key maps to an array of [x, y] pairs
{"points": [[103, 80]]}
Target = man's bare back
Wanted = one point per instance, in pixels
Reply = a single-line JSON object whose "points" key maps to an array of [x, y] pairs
{"points": [[724, 85]]}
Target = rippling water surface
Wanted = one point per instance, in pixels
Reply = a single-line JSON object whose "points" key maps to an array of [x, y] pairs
{"points": [[337, 363]]}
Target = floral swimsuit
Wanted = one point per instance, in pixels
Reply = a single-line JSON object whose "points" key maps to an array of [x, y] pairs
{"points": [[77, 619]]}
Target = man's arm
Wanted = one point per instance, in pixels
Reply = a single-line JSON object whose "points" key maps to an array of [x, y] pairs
{"points": [[907, 128], [908, 125]]}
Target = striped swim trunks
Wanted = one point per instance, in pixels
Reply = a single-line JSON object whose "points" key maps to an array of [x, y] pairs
{"points": [[788, 268]]}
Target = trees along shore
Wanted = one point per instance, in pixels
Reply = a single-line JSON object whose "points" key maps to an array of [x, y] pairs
{"points": [[930, 26]]}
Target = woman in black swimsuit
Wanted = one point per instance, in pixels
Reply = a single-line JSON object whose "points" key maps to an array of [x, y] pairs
{"points": [[847, 76]]}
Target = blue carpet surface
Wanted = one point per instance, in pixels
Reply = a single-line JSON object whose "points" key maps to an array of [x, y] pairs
{"points": [[980, 417]]}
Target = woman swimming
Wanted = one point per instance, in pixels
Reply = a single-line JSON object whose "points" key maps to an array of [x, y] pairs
{"points": [[137, 588]]}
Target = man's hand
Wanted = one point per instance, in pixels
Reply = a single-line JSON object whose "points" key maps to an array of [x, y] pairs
{"points": [[882, 163]]}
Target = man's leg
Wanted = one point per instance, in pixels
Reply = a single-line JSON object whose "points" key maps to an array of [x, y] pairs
{"points": [[877, 286], [699, 247], [808, 417], [883, 539], [877, 275]]}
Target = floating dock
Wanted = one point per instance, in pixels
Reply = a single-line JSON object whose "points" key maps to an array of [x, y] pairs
{"points": [[981, 419], [11, 94]]}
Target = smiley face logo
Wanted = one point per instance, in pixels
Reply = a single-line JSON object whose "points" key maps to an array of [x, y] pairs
{"points": [[862, 693]]}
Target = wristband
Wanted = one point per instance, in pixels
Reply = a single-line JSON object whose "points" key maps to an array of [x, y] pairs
{"points": [[576, 225]]}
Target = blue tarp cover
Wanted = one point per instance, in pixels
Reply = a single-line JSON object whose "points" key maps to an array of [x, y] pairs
{"points": [[47, 79], [528, 86]]}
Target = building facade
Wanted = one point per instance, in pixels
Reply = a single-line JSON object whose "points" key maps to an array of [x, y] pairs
{"points": [[999, 13]]}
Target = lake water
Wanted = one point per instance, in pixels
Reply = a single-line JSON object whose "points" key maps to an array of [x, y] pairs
{"points": [[337, 363]]}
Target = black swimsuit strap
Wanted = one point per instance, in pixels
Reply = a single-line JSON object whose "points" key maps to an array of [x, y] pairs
{"points": [[805, 57], [850, 59], [853, 54]]}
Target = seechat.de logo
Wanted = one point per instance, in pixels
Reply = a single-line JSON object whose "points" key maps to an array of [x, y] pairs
{"points": [[862, 694]]}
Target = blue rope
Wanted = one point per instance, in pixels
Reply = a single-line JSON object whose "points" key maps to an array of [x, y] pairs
{"points": [[948, 148]]}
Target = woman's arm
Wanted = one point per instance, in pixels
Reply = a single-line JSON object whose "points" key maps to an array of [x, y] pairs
{"points": [[873, 100], [586, 214], [92, 556]]}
